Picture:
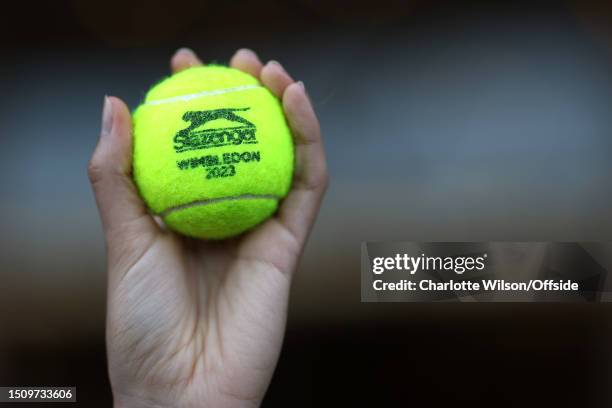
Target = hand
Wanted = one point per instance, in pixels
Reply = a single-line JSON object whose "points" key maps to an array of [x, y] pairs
{"points": [[200, 323]]}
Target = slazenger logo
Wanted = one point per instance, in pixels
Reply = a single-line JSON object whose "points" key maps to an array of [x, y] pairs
{"points": [[192, 139]]}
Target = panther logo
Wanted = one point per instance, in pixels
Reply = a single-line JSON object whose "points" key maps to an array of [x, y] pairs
{"points": [[192, 139]]}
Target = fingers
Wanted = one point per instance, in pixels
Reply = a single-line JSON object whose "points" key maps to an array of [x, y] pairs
{"points": [[299, 209], [247, 61], [272, 75], [275, 78], [182, 59], [109, 171], [311, 166]]}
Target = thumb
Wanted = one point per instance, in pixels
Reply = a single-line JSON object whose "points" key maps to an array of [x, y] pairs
{"points": [[124, 215]]}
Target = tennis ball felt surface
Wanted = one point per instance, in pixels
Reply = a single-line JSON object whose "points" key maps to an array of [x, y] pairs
{"points": [[213, 154]]}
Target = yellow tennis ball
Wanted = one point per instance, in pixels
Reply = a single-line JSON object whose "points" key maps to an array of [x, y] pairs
{"points": [[213, 154]]}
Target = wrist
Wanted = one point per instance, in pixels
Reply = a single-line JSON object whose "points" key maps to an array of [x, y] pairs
{"points": [[125, 401], [128, 401]]}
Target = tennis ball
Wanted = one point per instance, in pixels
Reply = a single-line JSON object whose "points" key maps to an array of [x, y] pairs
{"points": [[213, 154]]}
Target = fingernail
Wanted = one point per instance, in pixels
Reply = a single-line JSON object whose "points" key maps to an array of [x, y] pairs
{"points": [[276, 63], [107, 117], [184, 50], [246, 51], [301, 84]]}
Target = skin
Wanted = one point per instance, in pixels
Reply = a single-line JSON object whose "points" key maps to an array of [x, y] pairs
{"points": [[194, 323]]}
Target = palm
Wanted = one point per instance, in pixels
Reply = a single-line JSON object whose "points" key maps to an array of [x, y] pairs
{"points": [[218, 320], [192, 322]]}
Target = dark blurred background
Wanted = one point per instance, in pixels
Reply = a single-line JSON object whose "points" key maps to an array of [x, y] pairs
{"points": [[443, 120]]}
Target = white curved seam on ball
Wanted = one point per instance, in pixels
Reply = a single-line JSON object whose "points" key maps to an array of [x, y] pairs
{"points": [[185, 98], [208, 201]]}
